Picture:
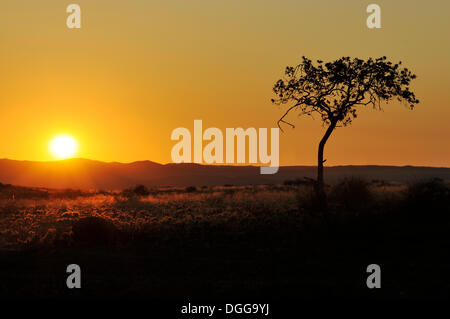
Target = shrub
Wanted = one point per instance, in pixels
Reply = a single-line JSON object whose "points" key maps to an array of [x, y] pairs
{"points": [[141, 191], [190, 189], [137, 191], [351, 194], [308, 200], [428, 196]]}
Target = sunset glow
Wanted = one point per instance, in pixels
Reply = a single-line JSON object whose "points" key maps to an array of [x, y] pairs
{"points": [[225, 57]]}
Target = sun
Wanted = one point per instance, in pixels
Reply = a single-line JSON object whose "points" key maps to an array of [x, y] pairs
{"points": [[63, 146]]}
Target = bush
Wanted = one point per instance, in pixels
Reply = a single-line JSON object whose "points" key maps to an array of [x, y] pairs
{"points": [[190, 189], [141, 191], [351, 194], [431, 196], [307, 199], [137, 191]]}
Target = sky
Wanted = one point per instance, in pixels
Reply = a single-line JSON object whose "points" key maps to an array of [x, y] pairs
{"points": [[136, 70]]}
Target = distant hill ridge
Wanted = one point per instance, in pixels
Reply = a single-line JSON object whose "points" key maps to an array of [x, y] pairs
{"points": [[90, 174]]}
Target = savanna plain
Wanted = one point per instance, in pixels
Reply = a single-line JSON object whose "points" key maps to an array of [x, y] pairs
{"points": [[257, 241]]}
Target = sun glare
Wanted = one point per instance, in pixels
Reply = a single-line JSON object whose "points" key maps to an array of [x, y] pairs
{"points": [[63, 146]]}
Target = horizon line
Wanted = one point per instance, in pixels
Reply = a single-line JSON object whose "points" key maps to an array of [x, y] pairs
{"points": [[218, 165]]}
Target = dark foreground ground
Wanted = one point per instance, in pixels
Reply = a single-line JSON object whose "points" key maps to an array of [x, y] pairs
{"points": [[259, 242]]}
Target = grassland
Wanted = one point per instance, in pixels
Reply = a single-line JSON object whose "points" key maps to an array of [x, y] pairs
{"points": [[269, 241]]}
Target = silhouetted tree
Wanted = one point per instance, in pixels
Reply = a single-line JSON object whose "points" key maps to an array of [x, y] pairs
{"points": [[335, 89]]}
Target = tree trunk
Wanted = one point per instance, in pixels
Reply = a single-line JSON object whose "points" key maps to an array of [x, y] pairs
{"points": [[320, 181]]}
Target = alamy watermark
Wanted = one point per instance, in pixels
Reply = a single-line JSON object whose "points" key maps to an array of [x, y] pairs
{"points": [[374, 279], [74, 279], [74, 19], [373, 20], [213, 152]]}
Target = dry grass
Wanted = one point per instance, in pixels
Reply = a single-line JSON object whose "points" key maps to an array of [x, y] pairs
{"points": [[224, 241], [27, 221], [181, 211]]}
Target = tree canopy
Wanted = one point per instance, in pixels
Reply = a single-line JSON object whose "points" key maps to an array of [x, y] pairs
{"points": [[335, 89]]}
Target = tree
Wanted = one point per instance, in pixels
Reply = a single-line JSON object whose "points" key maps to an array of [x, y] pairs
{"points": [[335, 90]]}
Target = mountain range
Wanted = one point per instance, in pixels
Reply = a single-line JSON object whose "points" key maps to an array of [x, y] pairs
{"points": [[90, 174]]}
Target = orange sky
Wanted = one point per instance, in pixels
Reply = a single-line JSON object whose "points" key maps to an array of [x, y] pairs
{"points": [[137, 69]]}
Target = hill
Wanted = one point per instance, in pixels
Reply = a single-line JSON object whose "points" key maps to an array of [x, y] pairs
{"points": [[89, 174]]}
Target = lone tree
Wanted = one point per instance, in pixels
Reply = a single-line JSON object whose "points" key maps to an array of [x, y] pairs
{"points": [[335, 89]]}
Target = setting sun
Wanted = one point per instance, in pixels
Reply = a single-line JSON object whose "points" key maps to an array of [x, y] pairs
{"points": [[63, 146]]}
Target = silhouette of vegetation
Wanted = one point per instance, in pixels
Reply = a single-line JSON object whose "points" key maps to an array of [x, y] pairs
{"points": [[335, 90], [141, 190], [242, 241], [429, 197], [137, 191], [297, 181], [351, 195], [191, 189]]}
